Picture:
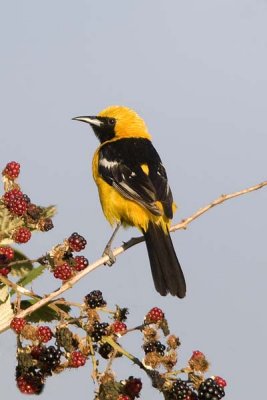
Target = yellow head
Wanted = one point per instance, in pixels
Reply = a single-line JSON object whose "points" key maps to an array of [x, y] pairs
{"points": [[117, 122]]}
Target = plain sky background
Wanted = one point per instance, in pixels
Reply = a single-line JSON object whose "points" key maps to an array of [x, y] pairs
{"points": [[196, 72]]}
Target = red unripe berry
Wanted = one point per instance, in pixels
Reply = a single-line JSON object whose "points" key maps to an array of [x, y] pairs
{"points": [[133, 387], [154, 315], [197, 354], [77, 359], [44, 334], [63, 272], [123, 397], [11, 195], [81, 263], [76, 242], [22, 235], [36, 351], [18, 206], [220, 381], [30, 384], [11, 170], [8, 252], [119, 327], [17, 324], [4, 270]]}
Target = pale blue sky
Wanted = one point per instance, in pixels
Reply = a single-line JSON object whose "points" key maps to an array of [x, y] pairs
{"points": [[196, 72]]}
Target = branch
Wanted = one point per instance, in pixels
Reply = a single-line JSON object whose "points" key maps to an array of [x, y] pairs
{"points": [[103, 260]]}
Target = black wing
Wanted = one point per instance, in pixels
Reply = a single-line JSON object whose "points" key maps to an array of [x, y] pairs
{"points": [[120, 165]]}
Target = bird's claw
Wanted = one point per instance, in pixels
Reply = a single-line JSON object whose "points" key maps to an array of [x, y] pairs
{"points": [[112, 259]]}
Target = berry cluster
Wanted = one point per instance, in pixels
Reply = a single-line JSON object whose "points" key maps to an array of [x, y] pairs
{"points": [[64, 265], [38, 360], [24, 216]]}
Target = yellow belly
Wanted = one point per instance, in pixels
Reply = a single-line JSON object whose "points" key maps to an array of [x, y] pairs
{"points": [[117, 208]]}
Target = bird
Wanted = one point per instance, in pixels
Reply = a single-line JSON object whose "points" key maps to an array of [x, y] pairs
{"points": [[134, 190]]}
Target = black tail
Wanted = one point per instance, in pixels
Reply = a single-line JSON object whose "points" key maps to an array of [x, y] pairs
{"points": [[166, 271]]}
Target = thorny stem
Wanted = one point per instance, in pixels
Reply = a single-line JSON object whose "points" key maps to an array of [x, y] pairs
{"points": [[103, 260], [119, 349]]}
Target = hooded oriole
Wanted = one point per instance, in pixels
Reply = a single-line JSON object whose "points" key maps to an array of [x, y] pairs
{"points": [[134, 190]]}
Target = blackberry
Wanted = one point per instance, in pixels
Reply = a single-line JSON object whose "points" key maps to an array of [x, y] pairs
{"points": [[76, 242], [77, 359], [80, 263], [63, 272], [156, 346], [133, 387], [181, 391], [44, 334], [99, 330], [17, 324], [11, 170], [34, 211], [45, 224], [6, 254], [210, 390], [21, 235], [30, 381], [154, 315], [95, 299], [12, 194], [4, 270], [105, 350], [18, 206], [49, 358], [119, 327]]}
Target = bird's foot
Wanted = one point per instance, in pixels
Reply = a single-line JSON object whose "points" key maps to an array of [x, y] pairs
{"points": [[108, 252]]}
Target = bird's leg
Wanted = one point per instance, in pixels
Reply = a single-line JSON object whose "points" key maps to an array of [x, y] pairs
{"points": [[107, 251]]}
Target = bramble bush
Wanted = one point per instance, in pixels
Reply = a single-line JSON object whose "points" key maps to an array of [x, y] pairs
{"points": [[51, 337]]}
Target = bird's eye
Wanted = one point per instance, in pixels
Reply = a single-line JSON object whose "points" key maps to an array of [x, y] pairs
{"points": [[111, 121]]}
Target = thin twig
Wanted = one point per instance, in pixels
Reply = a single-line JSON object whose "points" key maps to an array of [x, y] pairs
{"points": [[103, 260]]}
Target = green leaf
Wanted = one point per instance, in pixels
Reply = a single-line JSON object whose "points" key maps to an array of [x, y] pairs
{"points": [[6, 312], [43, 314], [49, 212], [22, 269], [33, 274]]}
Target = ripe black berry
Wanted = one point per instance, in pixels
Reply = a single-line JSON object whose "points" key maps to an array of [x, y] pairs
{"points": [[181, 391], [105, 350], [156, 346], [99, 330], [49, 358], [95, 299], [210, 390]]}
